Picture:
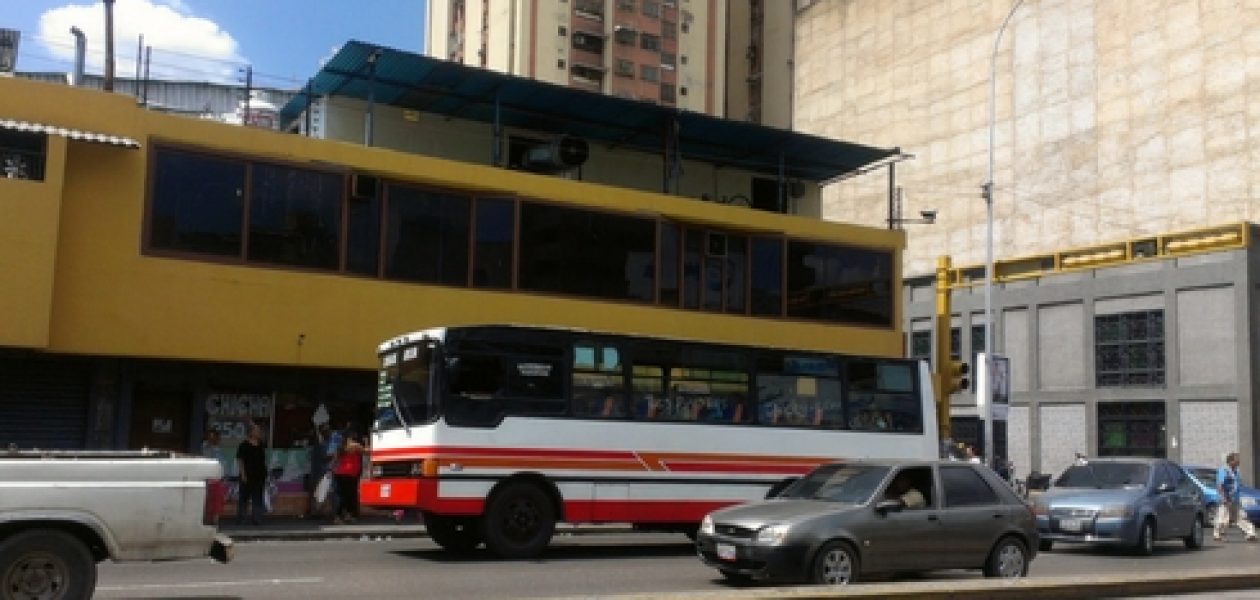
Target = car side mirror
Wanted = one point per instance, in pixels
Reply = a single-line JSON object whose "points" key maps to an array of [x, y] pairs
{"points": [[887, 506], [1165, 488]]}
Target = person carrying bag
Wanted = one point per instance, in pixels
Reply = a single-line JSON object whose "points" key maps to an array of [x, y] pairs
{"points": [[347, 467]]}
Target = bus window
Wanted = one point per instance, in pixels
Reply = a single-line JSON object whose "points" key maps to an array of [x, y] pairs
{"points": [[534, 387], [474, 383], [881, 397], [648, 391], [598, 384]]}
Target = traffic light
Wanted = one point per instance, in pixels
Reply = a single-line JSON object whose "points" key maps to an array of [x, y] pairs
{"points": [[956, 379]]}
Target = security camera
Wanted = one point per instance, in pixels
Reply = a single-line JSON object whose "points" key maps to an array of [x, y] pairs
{"points": [[928, 215]]}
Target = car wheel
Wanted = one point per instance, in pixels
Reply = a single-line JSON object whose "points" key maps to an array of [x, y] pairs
{"points": [[519, 521], [1210, 515], [737, 578], [1008, 559], [1146, 539], [836, 564], [456, 534], [1045, 545], [46, 563], [1195, 539]]}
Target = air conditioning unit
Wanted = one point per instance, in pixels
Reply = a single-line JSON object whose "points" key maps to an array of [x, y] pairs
{"points": [[563, 153]]}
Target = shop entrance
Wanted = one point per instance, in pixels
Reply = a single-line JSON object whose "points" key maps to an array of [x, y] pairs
{"points": [[159, 419]]}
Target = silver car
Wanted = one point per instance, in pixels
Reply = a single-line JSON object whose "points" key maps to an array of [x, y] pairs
{"points": [[843, 521], [1128, 502]]}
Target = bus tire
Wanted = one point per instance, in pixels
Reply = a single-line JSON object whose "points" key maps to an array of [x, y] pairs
{"points": [[46, 563], [454, 534], [519, 521]]}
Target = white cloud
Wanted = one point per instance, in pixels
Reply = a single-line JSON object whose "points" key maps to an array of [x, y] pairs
{"points": [[185, 46]]}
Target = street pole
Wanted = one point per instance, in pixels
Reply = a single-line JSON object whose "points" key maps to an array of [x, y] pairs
{"points": [[987, 194]]}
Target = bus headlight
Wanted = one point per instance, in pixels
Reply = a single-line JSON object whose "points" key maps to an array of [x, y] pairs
{"points": [[771, 535], [706, 525]]}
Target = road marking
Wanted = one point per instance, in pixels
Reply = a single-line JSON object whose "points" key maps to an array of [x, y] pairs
{"points": [[203, 584]]}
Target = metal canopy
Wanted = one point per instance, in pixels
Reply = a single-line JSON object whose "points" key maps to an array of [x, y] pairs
{"points": [[417, 82], [74, 134]]}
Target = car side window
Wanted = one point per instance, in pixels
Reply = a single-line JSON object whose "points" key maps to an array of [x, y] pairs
{"points": [[1163, 476], [1179, 479], [965, 487]]}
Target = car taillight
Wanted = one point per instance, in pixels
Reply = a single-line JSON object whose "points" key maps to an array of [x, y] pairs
{"points": [[213, 506]]}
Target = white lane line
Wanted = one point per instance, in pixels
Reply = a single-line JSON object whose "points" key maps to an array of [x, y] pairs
{"points": [[204, 584]]}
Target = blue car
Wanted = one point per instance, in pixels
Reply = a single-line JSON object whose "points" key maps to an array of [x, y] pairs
{"points": [[1205, 478], [1125, 502]]}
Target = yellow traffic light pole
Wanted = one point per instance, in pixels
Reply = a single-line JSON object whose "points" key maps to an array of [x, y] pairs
{"points": [[951, 375]]}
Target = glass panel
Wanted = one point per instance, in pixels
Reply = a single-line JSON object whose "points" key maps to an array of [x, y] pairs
{"points": [[198, 203], [427, 236], [295, 216], [736, 269], [363, 235], [713, 283], [22, 155], [492, 252], [839, 284], [693, 244], [1129, 349], [557, 253], [669, 253], [767, 276]]}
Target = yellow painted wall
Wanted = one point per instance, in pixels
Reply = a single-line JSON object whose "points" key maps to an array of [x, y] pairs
{"points": [[29, 215], [109, 299]]}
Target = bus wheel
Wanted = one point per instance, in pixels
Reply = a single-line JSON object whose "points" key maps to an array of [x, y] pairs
{"points": [[456, 534], [519, 521]]}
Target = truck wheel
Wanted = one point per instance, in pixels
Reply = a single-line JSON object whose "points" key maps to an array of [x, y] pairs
{"points": [[456, 534], [519, 521], [46, 564]]}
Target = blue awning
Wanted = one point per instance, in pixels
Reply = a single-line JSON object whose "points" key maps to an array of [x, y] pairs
{"points": [[413, 81]]}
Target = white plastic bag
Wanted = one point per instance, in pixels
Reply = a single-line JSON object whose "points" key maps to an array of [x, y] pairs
{"points": [[322, 488]]}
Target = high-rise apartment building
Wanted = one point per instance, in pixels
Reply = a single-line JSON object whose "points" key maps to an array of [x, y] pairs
{"points": [[720, 57]]}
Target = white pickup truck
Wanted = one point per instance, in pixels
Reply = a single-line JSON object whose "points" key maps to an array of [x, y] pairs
{"points": [[61, 512]]}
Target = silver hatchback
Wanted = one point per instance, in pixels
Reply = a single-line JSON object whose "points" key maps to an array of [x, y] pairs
{"points": [[843, 521]]}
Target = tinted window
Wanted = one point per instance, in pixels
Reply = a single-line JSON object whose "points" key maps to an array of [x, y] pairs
{"points": [[736, 274], [294, 216], [363, 235], [669, 264], [965, 487], [839, 283], [881, 396], [495, 233], [693, 247], [1105, 475], [534, 387], [851, 484], [767, 276], [427, 237], [598, 385], [558, 253], [198, 203]]}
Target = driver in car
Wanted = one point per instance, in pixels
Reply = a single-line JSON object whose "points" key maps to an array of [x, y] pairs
{"points": [[903, 489]]}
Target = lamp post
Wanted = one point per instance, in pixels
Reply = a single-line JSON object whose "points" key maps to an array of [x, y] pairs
{"points": [[987, 194]]}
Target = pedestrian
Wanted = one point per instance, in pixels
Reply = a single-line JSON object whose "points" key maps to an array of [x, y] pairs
{"points": [[347, 467], [317, 447], [251, 465], [1230, 509]]}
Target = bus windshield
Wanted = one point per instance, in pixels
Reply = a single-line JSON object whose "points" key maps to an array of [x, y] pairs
{"points": [[405, 385]]}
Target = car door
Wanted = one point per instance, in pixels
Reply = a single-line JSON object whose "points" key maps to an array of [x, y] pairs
{"points": [[1170, 519], [901, 540], [1187, 497], [972, 516]]}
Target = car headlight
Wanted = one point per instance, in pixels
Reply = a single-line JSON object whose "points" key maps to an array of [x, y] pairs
{"points": [[771, 535], [706, 525], [1118, 511], [1248, 501]]}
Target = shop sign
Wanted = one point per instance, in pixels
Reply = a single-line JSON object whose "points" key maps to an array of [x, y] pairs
{"points": [[230, 413]]}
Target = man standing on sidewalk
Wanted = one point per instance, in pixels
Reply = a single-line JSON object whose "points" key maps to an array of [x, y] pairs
{"points": [[1228, 486]]}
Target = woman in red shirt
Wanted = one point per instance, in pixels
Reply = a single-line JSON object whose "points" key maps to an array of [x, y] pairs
{"points": [[347, 467]]}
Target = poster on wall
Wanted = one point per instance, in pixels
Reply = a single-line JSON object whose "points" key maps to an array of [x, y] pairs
{"points": [[230, 413]]}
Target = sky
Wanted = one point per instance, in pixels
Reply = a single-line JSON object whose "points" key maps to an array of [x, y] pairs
{"points": [[283, 41]]}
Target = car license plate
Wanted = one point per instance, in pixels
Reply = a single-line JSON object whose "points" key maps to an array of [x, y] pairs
{"points": [[1073, 525], [726, 551]]}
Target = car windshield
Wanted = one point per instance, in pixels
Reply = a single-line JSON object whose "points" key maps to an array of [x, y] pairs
{"points": [[849, 484], [1105, 475]]}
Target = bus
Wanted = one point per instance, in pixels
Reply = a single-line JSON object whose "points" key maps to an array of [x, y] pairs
{"points": [[496, 433]]}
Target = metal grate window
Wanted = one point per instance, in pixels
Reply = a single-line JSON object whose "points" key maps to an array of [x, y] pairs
{"points": [[1131, 429], [1129, 349]]}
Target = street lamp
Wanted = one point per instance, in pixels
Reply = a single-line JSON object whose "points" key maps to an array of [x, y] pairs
{"points": [[987, 193]]}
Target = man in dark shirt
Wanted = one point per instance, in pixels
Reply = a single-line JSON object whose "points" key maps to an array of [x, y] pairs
{"points": [[251, 465]]}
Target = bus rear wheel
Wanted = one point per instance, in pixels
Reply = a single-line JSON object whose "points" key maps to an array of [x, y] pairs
{"points": [[455, 534], [519, 521]]}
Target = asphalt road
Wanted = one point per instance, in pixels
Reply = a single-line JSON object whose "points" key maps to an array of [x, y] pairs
{"points": [[575, 566]]}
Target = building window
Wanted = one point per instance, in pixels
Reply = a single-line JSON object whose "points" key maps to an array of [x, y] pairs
{"points": [[669, 30], [651, 8], [648, 41], [977, 345], [649, 73], [559, 63], [767, 276], [555, 253], [426, 236], [625, 4], [668, 60], [682, 59], [563, 31], [588, 72], [22, 154], [668, 93], [685, 28], [1131, 429], [921, 345], [198, 203], [625, 68], [1129, 349], [294, 216], [625, 35], [588, 42], [682, 91], [591, 9]]}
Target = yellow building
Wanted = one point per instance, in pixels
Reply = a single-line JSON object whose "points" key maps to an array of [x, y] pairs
{"points": [[165, 275]]}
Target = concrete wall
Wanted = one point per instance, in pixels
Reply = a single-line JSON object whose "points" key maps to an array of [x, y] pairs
{"points": [[1064, 432], [1114, 118]]}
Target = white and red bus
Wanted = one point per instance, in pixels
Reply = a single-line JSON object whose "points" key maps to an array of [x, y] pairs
{"points": [[497, 432]]}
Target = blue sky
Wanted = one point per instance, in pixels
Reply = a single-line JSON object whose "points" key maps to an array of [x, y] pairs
{"points": [[283, 40]]}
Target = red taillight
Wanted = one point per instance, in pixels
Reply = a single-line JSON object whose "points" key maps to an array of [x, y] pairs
{"points": [[214, 502]]}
